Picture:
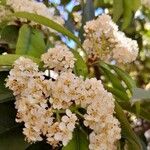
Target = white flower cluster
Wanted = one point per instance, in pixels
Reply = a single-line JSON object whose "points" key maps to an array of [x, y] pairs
{"points": [[51, 108], [38, 8], [103, 41], [32, 93], [59, 58]]}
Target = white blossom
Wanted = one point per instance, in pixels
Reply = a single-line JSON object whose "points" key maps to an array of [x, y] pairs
{"points": [[59, 58], [104, 42]]}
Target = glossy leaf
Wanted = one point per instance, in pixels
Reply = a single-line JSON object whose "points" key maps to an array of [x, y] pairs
{"points": [[80, 65], [9, 34], [79, 141], [30, 42], [13, 140], [125, 77], [118, 93], [7, 117], [112, 77], [117, 9], [49, 23], [127, 131], [8, 60], [39, 146]]}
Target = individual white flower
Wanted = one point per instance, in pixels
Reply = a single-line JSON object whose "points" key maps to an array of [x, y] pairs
{"points": [[104, 42], [59, 58]]}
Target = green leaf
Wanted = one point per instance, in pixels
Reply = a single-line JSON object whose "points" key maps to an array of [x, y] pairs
{"points": [[5, 93], [49, 23], [13, 140], [7, 117], [39, 146], [80, 65], [125, 77], [127, 131], [112, 77], [136, 4], [117, 9], [6, 96], [2, 2], [78, 142], [30, 42], [9, 34], [140, 95], [8, 60], [118, 93], [127, 14]]}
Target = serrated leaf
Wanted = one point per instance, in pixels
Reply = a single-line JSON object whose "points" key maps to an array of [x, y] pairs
{"points": [[80, 65], [30, 42], [127, 131], [49, 23], [79, 141], [117, 9]]}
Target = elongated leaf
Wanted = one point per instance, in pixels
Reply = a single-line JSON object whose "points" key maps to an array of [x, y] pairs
{"points": [[30, 42], [39, 146], [6, 96], [13, 140], [79, 141], [7, 117], [8, 60], [140, 95], [118, 93], [80, 65], [5, 93], [127, 131], [49, 23], [125, 77], [136, 4], [117, 9], [9, 34], [112, 77], [127, 14]]}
